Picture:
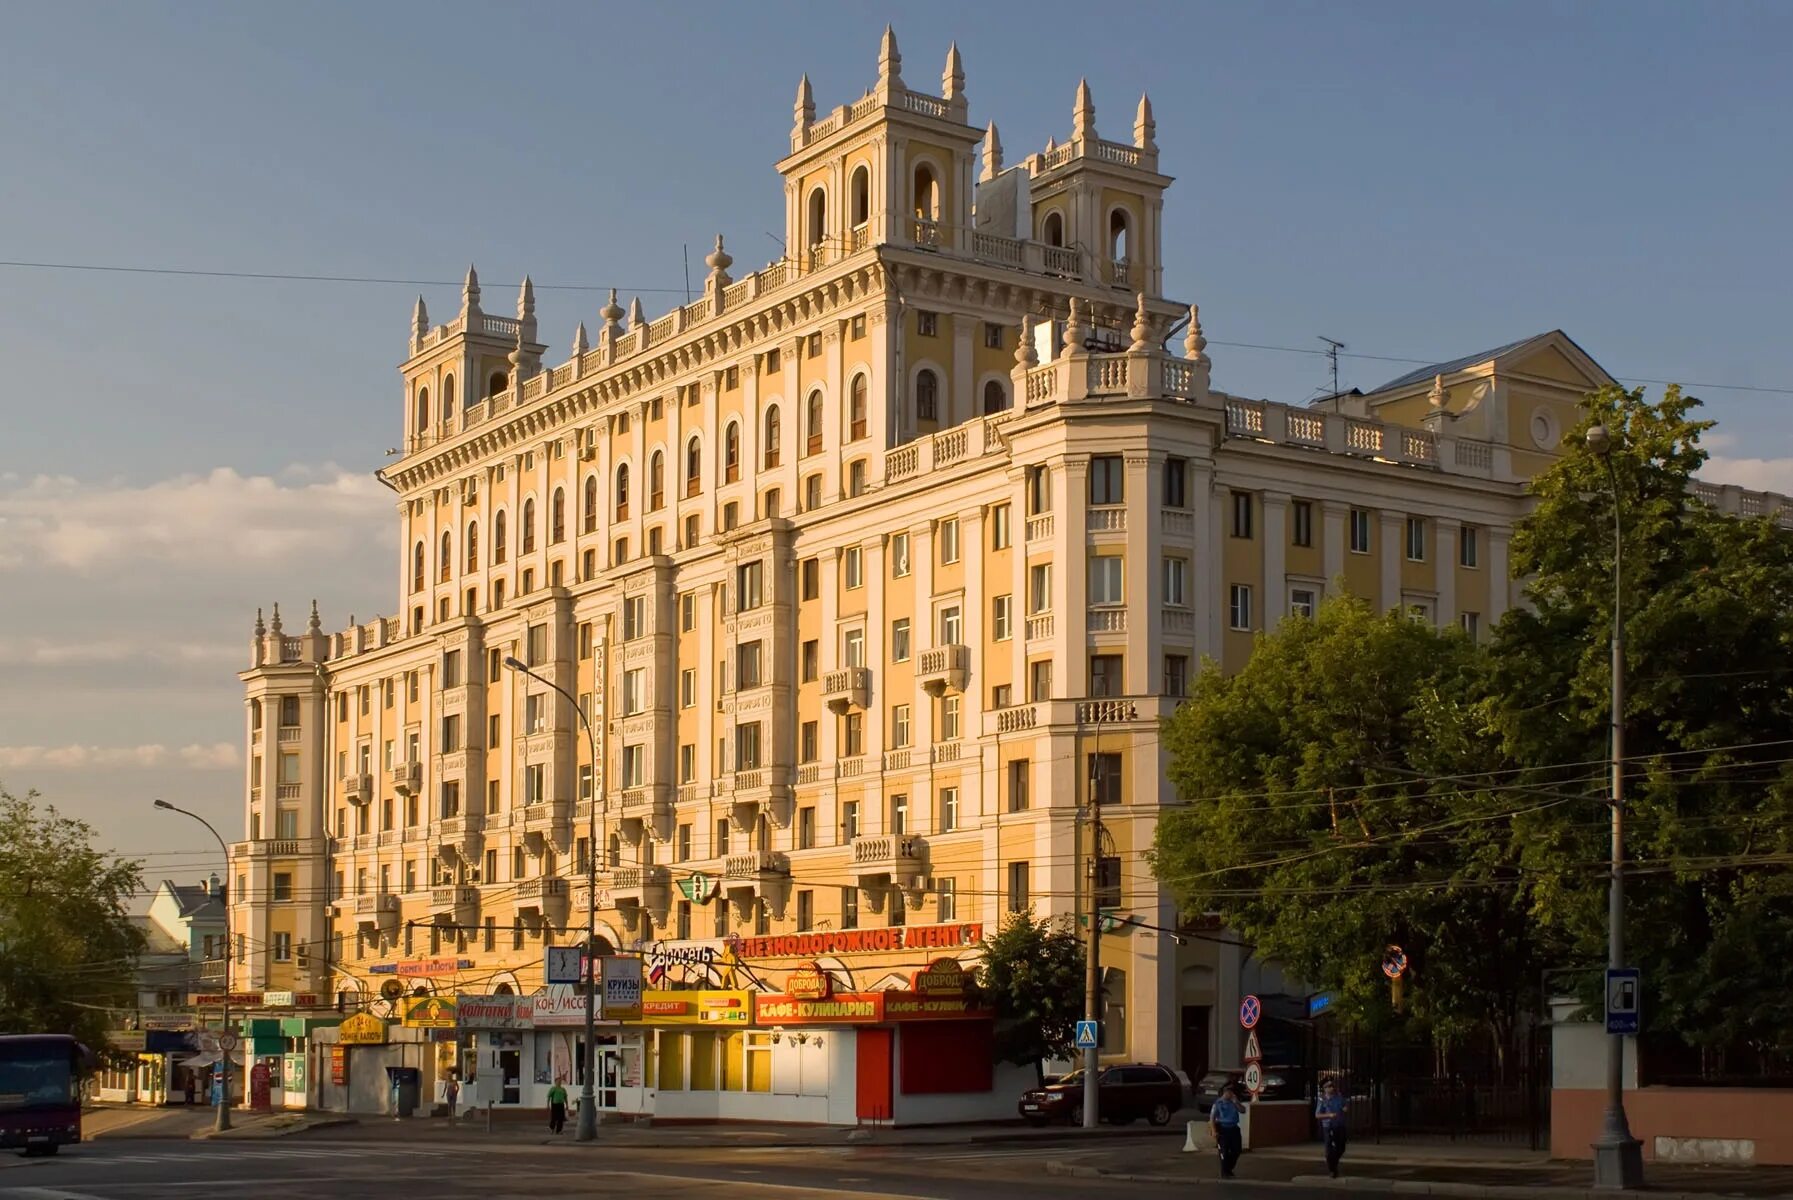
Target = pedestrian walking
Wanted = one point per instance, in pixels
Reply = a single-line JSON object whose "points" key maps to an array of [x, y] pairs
{"points": [[452, 1093], [1330, 1112], [1223, 1119], [187, 1085], [557, 1107]]}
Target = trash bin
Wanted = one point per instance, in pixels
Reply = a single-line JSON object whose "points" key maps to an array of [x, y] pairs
{"points": [[405, 1084]]}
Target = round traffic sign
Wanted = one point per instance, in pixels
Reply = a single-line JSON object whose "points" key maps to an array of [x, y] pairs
{"points": [[1254, 1078], [1394, 962], [227, 1041], [1250, 1009]]}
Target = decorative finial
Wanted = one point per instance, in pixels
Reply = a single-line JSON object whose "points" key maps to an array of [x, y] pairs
{"points": [[1076, 333], [992, 154], [1051, 143], [612, 312], [1145, 129], [420, 320], [1083, 114], [1025, 354], [1142, 327], [636, 320], [274, 625], [952, 80], [719, 261], [1437, 396], [526, 300], [890, 62], [261, 628], [579, 343], [1195, 346], [314, 625], [470, 291], [804, 111]]}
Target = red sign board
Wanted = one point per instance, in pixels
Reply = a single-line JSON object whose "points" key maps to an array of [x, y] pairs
{"points": [[942, 977], [860, 941], [844, 1008], [810, 982], [237, 1000], [914, 1006], [428, 967], [339, 1065]]}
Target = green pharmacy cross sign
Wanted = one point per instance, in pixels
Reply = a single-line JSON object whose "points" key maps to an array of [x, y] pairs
{"points": [[697, 887]]}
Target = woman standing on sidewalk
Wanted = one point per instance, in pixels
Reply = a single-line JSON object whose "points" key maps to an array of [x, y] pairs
{"points": [[1223, 1119], [1330, 1112]]}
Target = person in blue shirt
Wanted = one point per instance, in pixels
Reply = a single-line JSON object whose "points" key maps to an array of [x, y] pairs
{"points": [[1330, 1113], [1223, 1119]]}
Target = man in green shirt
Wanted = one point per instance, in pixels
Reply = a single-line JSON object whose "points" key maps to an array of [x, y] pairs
{"points": [[557, 1107]]}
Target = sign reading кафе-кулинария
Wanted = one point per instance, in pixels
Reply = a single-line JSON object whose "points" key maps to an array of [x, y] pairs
{"points": [[860, 941]]}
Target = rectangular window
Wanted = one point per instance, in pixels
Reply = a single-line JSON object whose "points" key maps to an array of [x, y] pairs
{"points": [[853, 735], [1176, 582], [1107, 481], [899, 814], [849, 820], [1039, 491], [899, 726], [849, 908], [1176, 483], [687, 611], [538, 644], [950, 708], [949, 540], [899, 555], [813, 346], [811, 581], [806, 827], [634, 766], [1176, 674], [952, 626], [1002, 620], [1301, 602], [899, 640], [772, 362], [283, 885], [1019, 779], [853, 567], [1467, 547], [634, 691], [1301, 523], [992, 336], [927, 324], [747, 746], [451, 669], [946, 900], [857, 326], [1416, 539], [1039, 680], [747, 665], [1105, 778], [1239, 606], [1472, 625], [949, 809], [283, 947], [1360, 531], [808, 739], [535, 712], [634, 617], [852, 648], [1039, 588], [1105, 579], [812, 657], [750, 585], [535, 783], [806, 909], [687, 762], [1241, 514], [494, 731], [688, 688], [1017, 898], [1000, 534], [1105, 675]]}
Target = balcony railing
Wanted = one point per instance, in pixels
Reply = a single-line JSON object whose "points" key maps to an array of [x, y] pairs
{"points": [[753, 865], [358, 788], [453, 898], [407, 777], [848, 688], [890, 854], [545, 896], [941, 669]]}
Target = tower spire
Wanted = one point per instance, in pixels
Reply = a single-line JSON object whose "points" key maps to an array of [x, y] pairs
{"points": [[420, 324], [890, 63], [636, 319], [803, 113], [992, 154], [952, 82], [1083, 114], [1145, 129], [470, 293], [579, 343], [526, 299]]}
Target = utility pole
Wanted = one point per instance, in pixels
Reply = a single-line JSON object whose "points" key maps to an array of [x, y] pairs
{"points": [[1092, 985], [1333, 346]]}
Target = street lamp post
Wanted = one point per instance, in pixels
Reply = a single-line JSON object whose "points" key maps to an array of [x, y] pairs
{"points": [[587, 1129], [223, 1054], [1618, 1157]]}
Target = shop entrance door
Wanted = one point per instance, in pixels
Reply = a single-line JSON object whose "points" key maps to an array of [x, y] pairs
{"points": [[510, 1072], [873, 1058], [609, 1078]]}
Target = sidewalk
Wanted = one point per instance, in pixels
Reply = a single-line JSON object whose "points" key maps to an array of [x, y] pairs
{"points": [[131, 1122], [1437, 1169]]}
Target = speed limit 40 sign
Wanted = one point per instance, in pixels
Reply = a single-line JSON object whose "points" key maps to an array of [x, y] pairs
{"points": [[1254, 1078]]}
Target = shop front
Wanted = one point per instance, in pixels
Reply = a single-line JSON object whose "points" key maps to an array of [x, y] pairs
{"points": [[511, 1050]]}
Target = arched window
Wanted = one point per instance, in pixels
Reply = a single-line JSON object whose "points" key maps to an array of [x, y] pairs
{"points": [[591, 504], [772, 432], [423, 409], [528, 530], [817, 232], [731, 453], [1053, 231], [1117, 235], [498, 531], [856, 415], [861, 198], [694, 466], [656, 481], [473, 545], [557, 516], [497, 383], [927, 396], [812, 424], [447, 396], [927, 194], [622, 491], [417, 567], [996, 397], [445, 560]]}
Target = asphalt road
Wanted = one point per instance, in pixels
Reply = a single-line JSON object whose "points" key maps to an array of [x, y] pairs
{"points": [[305, 1169]]}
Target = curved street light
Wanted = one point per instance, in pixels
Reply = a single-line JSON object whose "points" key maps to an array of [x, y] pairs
{"points": [[223, 1054]]}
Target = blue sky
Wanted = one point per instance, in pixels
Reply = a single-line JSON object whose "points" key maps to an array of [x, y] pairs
{"points": [[1417, 180]]}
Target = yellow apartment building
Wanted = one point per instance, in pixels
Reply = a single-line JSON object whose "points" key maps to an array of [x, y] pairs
{"points": [[872, 570]]}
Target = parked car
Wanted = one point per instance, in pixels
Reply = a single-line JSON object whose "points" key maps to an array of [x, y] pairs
{"points": [[1279, 1083], [1208, 1088], [1125, 1093]]}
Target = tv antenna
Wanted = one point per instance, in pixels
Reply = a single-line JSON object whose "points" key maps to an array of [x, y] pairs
{"points": [[1333, 346]]}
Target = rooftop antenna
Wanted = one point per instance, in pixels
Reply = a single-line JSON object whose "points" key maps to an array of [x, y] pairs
{"points": [[687, 249], [1333, 346]]}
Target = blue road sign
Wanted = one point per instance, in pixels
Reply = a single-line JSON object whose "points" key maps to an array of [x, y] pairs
{"points": [[1086, 1035], [1250, 1009], [1622, 1009]]}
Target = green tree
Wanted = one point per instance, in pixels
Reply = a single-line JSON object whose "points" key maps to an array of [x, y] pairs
{"points": [[1341, 796], [1708, 606], [1033, 975], [68, 948]]}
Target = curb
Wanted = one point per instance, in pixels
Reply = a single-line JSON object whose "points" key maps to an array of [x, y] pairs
{"points": [[1361, 1183], [251, 1132], [841, 1138]]}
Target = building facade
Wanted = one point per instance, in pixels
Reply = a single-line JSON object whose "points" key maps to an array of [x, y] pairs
{"points": [[874, 572], [183, 954]]}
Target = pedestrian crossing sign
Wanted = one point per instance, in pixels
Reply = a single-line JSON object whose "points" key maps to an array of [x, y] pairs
{"points": [[1086, 1035]]}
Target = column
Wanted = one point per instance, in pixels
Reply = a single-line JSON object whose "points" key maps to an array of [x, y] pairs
{"points": [[961, 398], [1394, 545], [1070, 584], [1145, 602], [1276, 543], [1500, 583], [1444, 569], [1332, 542], [1210, 584]]}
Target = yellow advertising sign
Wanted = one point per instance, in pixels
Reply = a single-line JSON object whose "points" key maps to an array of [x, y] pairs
{"points": [[697, 1008], [430, 1012], [362, 1029]]}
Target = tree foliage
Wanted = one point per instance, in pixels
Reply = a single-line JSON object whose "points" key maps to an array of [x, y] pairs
{"points": [[1033, 975], [68, 948]]}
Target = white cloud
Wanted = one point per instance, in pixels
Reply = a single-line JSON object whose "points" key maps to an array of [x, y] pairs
{"points": [[216, 757], [1757, 474], [191, 522], [47, 652]]}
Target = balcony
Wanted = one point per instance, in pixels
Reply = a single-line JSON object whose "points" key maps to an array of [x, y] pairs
{"points": [[544, 819], [635, 888], [645, 808], [756, 875], [454, 902], [760, 790], [407, 778], [358, 788], [277, 848], [848, 688], [899, 857], [943, 669], [377, 910], [463, 834], [543, 899]]}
